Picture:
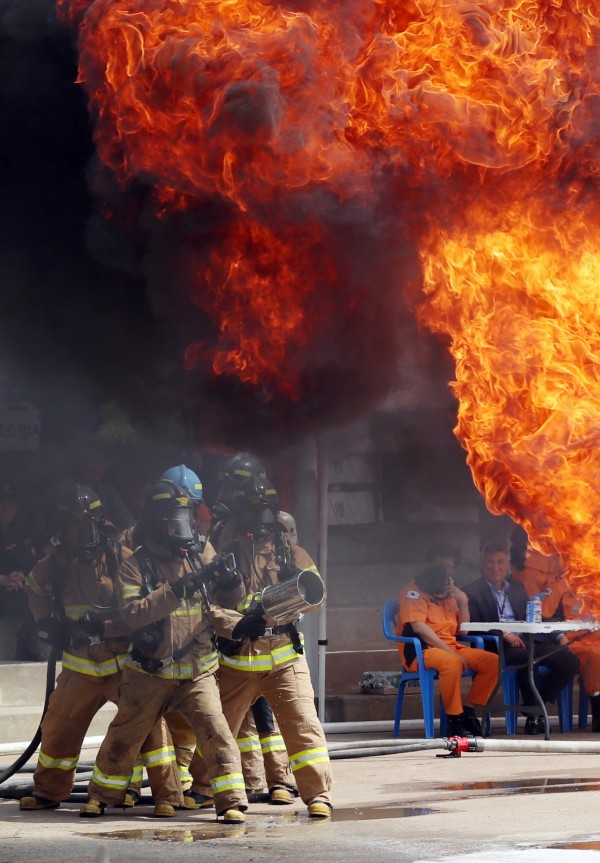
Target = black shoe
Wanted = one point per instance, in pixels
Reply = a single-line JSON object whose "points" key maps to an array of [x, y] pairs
{"points": [[457, 727], [258, 796], [471, 723], [595, 706], [535, 725], [29, 651]]}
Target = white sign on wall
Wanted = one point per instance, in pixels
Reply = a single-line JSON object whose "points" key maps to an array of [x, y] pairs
{"points": [[351, 490]]}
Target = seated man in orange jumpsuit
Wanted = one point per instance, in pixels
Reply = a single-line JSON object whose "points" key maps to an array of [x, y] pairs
{"points": [[542, 574], [432, 608]]}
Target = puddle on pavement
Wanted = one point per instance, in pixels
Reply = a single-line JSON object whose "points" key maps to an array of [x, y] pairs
{"points": [[522, 786], [271, 826]]}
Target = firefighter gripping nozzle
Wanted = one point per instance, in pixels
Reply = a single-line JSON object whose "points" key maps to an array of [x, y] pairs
{"points": [[221, 572]]}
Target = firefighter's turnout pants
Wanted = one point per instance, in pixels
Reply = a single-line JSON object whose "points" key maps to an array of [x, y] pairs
{"points": [[263, 752], [142, 700], [71, 708], [289, 692]]}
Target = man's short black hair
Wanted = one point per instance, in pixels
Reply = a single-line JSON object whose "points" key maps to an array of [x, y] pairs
{"points": [[433, 579], [443, 549]]}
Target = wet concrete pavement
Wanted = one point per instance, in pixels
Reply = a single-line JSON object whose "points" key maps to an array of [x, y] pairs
{"points": [[491, 807]]}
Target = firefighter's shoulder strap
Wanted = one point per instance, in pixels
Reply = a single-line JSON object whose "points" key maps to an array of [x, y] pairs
{"points": [[146, 565], [114, 555]]}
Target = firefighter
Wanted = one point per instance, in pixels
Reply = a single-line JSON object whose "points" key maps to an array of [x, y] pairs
{"points": [[181, 732], [268, 659], [264, 756], [17, 556], [71, 593], [173, 662]]}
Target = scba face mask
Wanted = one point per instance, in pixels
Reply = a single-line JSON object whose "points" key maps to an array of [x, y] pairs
{"points": [[260, 524], [83, 535], [177, 528]]}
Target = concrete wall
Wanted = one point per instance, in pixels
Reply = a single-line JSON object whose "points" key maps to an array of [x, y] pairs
{"points": [[424, 494]]}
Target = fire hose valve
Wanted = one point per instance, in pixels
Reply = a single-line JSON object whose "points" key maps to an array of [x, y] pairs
{"points": [[458, 745], [463, 744]]}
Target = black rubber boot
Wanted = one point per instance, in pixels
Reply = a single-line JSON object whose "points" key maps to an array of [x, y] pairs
{"points": [[595, 706], [456, 726], [470, 722]]}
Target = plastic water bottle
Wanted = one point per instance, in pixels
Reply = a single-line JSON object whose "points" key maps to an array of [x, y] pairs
{"points": [[533, 612]]}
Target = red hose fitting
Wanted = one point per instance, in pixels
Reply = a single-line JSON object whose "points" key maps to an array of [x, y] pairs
{"points": [[462, 744]]}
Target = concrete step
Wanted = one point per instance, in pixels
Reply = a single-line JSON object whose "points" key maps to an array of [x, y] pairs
{"points": [[22, 693]]}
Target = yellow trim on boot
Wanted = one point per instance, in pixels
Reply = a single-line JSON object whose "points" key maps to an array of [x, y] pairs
{"points": [[280, 797], [94, 808], [319, 809], [32, 802], [164, 810], [233, 816], [131, 799], [194, 800]]}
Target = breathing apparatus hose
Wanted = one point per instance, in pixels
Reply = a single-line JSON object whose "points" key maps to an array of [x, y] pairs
{"points": [[53, 657]]}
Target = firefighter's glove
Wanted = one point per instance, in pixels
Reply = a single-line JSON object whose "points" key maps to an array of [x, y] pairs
{"points": [[91, 623], [185, 587], [288, 571], [251, 626], [54, 633]]}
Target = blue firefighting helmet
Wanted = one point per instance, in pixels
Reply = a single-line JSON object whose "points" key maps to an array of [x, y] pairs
{"points": [[186, 479]]}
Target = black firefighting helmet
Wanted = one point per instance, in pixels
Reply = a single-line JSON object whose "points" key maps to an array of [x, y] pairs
{"points": [[167, 515], [80, 517], [257, 509], [236, 476]]}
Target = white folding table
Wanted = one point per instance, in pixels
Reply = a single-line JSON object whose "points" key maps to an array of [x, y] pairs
{"points": [[530, 630]]}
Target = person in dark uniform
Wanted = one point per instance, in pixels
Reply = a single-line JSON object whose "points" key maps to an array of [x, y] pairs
{"points": [[17, 557], [497, 598]]}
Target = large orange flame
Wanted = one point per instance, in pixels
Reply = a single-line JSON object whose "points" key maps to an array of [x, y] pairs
{"points": [[479, 119]]}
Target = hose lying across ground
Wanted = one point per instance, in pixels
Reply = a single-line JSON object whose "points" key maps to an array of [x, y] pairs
{"points": [[352, 749]]}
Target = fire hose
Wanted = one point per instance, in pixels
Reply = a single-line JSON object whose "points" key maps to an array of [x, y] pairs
{"points": [[454, 746]]}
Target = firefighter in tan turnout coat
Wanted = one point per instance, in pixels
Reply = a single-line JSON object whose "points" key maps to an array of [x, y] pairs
{"points": [[71, 594], [173, 660], [268, 659]]}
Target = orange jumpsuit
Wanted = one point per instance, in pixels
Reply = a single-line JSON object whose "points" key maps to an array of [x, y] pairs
{"points": [[270, 666], [91, 676], [182, 678], [542, 572], [442, 616]]}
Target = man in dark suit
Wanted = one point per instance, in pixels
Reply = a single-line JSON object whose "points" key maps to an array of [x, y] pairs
{"points": [[494, 597]]}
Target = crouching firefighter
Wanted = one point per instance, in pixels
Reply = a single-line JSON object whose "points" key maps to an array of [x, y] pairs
{"points": [[72, 596], [173, 662], [268, 658]]}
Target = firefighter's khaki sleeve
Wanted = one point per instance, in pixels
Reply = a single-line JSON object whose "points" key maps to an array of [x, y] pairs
{"points": [[137, 610], [222, 620], [38, 588]]}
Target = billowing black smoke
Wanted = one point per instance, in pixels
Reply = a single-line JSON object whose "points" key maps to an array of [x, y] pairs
{"points": [[95, 302]]}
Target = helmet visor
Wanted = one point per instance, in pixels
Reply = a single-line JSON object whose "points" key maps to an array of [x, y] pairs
{"points": [[260, 523], [178, 525], [82, 534]]}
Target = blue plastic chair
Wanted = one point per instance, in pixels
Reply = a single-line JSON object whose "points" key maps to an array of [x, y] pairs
{"points": [[510, 694], [424, 676]]}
